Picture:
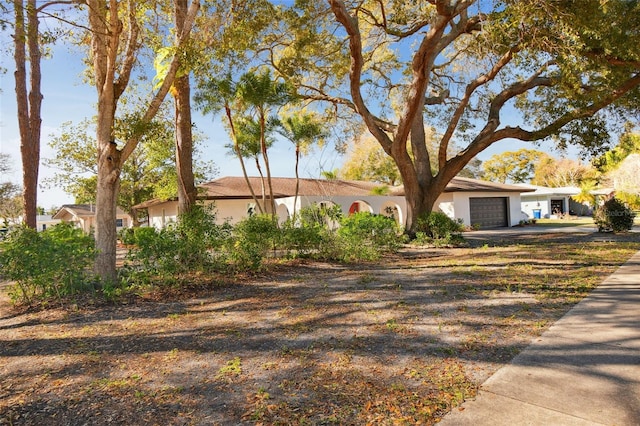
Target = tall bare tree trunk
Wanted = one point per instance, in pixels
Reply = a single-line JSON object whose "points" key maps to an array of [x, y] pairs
{"points": [[29, 105], [267, 166], [184, 134], [112, 68], [184, 147], [106, 207], [236, 148]]}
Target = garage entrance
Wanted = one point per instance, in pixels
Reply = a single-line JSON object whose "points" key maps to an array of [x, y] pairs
{"points": [[489, 212]]}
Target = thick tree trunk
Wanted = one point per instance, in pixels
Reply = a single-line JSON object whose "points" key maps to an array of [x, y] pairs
{"points": [[29, 106], [184, 146], [184, 134], [111, 75], [106, 202]]}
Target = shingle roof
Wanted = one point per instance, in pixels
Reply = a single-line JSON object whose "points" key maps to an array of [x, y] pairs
{"points": [[235, 187]]}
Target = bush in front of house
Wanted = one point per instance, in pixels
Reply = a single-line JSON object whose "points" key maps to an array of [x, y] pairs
{"points": [[311, 232], [190, 245], [613, 216], [438, 229], [252, 239], [49, 264], [366, 236]]}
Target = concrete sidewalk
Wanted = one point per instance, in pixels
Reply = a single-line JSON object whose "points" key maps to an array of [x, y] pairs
{"points": [[584, 370]]}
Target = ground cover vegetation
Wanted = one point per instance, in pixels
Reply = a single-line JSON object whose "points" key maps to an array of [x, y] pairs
{"points": [[289, 340]]}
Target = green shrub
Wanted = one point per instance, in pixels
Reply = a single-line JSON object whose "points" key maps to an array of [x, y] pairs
{"points": [[613, 216], [127, 236], [365, 236], [190, 245], [52, 263], [438, 229], [252, 239], [321, 215], [302, 239]]}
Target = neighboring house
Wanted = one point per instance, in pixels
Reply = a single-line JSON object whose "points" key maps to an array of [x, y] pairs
{"points": [[45, 221], [548, 203], [474, 202], [84, 216]]}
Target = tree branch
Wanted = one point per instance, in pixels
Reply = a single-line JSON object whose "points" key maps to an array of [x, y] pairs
{"points": [[156, 102], [130, 54], [350, 24], [490, 135], [464, 102]]}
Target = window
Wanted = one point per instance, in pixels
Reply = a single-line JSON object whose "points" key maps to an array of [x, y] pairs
{"points": [[119, 223]]}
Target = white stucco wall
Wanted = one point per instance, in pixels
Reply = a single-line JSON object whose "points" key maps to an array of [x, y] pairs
{"points": [[454, 204], [529, 204], [161, 215], [542, 202]]}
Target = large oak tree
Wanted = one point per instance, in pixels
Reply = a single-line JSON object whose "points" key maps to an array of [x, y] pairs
{"points": [[480, 72]]}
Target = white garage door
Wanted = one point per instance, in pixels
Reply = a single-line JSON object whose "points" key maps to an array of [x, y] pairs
{"points": [[489, 212]]}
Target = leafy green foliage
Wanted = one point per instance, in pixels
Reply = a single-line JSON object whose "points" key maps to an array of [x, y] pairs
{"points": [[629, 143], [188, 246], [365, 236], [10, 196], [197, 244], [613, 216], [252, 239], [149, 172], [53, 263], [438, 229], [324, 215], [303, 239], [367, 161]]}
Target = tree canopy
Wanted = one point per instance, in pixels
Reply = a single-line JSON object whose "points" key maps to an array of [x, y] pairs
{"points": [[558, 70], [513, 166], [150, 172]]}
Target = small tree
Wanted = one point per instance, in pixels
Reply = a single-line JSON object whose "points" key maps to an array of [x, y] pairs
{"points": [[613, 216]]}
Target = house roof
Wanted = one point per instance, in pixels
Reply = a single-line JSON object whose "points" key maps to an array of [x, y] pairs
{"points": [[543, 190], [235, 187], [461, 184], [81, 210]]}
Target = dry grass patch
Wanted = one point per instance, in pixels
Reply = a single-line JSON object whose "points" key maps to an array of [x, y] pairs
{"points": [[401, 341]]}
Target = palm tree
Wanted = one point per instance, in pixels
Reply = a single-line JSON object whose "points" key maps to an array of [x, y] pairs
{"points": [[248, 144], [585, 196], [259, 93], [217, 94], [303, 130]]}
